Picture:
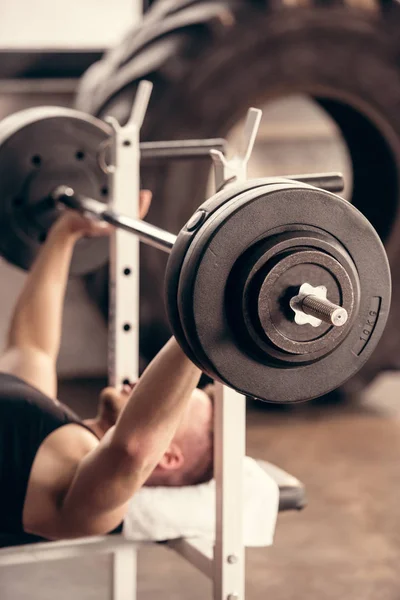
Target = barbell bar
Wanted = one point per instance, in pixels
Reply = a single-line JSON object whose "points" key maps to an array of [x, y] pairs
{"points": [[312, 304], [150, 234], [277, 288]]}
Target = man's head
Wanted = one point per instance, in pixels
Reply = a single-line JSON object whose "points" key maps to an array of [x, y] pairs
{"points": [[189, 458]]}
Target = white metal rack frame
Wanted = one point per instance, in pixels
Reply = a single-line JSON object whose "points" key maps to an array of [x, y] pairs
{"points": [[224, 563]]}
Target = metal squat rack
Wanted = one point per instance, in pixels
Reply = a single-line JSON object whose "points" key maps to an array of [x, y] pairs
{"points": [[223, 563]]}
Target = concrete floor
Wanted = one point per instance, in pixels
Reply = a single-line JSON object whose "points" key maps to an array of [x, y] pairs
{"points": [[345, 544]]}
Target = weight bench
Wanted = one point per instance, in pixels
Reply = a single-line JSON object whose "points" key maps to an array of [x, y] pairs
{"points": [[15, 550]]}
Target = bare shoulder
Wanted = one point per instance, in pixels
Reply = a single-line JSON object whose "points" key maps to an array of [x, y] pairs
{"points": [[72, 440], [51, 475]]}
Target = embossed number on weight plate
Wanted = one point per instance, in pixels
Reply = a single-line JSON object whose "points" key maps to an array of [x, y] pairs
{"points": [[369, 325]]}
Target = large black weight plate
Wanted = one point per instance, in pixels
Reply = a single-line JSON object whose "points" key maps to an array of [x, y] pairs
{"points": [[217, 245], [185, 238], [42, 148]]}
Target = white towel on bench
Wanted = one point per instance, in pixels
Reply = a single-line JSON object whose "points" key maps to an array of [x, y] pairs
{"points": [[166, 513]]}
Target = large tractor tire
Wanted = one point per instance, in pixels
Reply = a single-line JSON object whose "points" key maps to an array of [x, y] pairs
{"points": [[210, 60]]}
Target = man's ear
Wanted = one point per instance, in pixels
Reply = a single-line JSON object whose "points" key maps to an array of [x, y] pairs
{"points": [[172, 458]]}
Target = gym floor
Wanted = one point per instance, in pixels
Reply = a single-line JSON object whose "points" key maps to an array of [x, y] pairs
{"points": [[345, 544]]}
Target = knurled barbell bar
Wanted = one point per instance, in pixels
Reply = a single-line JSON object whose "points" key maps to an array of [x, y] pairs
{"points": [[311, 305], [275, 287], [273, 308]]}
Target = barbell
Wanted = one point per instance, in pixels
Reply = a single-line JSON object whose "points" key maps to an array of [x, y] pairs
{"points": [[275, 287]]}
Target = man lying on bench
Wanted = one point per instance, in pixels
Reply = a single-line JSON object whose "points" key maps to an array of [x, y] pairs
{"points": [[61, 477]]}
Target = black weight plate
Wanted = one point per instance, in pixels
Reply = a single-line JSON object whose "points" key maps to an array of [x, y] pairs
{"points": [[42, 148], [222, 239], [180, 248]]}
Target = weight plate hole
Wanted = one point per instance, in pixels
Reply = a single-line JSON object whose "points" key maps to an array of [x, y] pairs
{"points": [[80, 155], [127, 327], [36, 160]]}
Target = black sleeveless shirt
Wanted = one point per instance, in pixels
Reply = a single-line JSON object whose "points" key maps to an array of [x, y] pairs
{"points": [[27, 417]]}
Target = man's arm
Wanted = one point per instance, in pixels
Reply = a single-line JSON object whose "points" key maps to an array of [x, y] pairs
{"points": [[105, 480], [35, 333]]}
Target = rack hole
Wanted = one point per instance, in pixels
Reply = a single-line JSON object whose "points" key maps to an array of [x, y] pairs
{"points": [[36, 160]]}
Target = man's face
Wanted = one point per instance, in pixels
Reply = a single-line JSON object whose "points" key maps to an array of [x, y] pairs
{"points": [[189, 457], [190, 451]]}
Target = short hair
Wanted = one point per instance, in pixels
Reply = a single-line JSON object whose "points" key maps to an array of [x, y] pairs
{"points": [[201, 470]]}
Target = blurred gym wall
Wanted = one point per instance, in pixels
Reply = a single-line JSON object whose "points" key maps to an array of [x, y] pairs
{"points": [[49, 24]]}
